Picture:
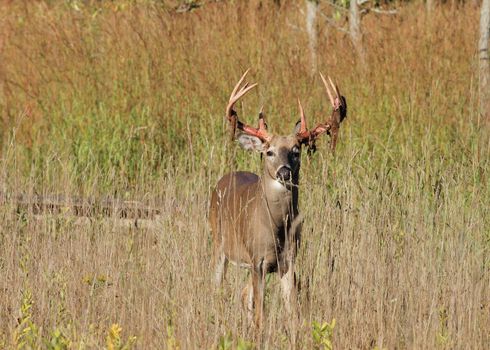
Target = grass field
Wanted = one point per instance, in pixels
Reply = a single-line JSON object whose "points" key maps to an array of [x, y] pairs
{"points": [[127, 98]]}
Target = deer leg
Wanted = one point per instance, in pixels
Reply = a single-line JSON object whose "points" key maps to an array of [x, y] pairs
{"points": [[258, 284], [221, 263], [288, 287], [248, 300], [290, 298]]}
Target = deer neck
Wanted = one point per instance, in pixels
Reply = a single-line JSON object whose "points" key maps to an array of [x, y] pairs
{"points": [[281, 200]]}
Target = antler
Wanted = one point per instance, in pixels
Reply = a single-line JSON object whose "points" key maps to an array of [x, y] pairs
{"points": [[332, 125], [231, 115]]}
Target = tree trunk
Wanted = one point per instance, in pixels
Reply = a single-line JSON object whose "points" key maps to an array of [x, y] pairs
{"points": [[484, 60], [311, 13], [429, 5], [3, 103], [355, 31]]}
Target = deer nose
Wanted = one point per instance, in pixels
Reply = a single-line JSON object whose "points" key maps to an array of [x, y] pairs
{"points": [[284, 173]]}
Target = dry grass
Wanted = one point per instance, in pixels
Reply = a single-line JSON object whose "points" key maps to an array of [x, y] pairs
{"points": [[127, 100]]}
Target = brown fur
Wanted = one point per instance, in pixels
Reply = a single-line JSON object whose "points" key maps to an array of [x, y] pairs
{"points": [[254, 222]]}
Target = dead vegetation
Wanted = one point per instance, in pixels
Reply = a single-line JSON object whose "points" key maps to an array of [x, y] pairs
{"points": [[123, 99]]}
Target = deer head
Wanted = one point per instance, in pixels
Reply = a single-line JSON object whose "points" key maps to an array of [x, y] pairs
{"points": [[282, 153]]}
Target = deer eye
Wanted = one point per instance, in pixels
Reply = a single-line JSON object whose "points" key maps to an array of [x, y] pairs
{"points": [[295, 151], [270, 154]]}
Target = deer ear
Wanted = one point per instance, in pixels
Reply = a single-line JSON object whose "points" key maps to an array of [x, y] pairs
{"points": [[251, 143]]}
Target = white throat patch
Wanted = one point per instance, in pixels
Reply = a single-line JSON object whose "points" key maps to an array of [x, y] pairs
{"points": [[279, 185]]}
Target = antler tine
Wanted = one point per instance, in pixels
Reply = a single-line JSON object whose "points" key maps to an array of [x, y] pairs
{"points": [[303, 127], [330, 126], [334, 87], [262, 124], [235, 89], [332, 101], [246, 88], [238, 92], [305, 135], [261, 131]]}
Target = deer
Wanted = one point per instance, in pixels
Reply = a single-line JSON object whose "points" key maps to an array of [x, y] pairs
{"points": [[254, 220]]}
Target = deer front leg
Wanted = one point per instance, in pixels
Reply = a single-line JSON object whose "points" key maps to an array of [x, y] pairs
{"points": [[288, 287], [248, 300], [290, 298], [288, 279], [220, 263], [220, 269], [258, 284]]}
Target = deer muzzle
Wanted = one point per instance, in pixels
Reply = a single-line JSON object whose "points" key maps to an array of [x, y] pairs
{"points": [[284, 173]]}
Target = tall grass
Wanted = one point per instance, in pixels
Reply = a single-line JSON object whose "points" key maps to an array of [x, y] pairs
{"points": [[126, 99]]}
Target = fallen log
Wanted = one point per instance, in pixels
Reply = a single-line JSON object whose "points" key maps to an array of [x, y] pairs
{"points": [[80, 207]]}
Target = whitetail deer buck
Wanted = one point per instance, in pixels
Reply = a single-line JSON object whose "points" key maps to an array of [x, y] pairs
{"points": [[255, 220]]}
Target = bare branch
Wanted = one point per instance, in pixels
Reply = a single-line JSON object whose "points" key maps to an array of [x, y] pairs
{"points": [[332, 23], [362, 2], [378, 11], [384, 12], [484, 69]]}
